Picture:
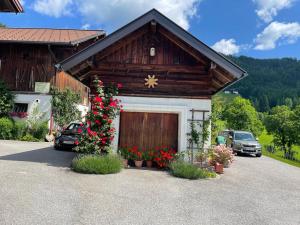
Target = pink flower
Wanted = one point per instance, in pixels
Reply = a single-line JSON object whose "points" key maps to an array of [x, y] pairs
{"points": [[119, 85]]}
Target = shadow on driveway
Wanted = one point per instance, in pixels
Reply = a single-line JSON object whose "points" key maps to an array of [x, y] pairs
{"points": [[43, 155]]}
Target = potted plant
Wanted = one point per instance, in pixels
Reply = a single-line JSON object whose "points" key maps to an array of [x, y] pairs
{"points": [[148, 157], [163, 156], [124, 153], [136, 155], [221, 156]]}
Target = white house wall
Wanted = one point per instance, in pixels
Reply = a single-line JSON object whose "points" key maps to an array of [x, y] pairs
{"points": [[42, 101], [166, 105]]}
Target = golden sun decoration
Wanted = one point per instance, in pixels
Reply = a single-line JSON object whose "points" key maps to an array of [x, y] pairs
{"points": [[151, 81]]}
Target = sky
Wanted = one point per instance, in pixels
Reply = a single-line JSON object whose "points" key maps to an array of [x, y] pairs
{"points": [[255, 28]]}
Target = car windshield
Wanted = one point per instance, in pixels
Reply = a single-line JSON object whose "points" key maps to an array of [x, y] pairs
{"points": [[73, 126], [244, 137]]}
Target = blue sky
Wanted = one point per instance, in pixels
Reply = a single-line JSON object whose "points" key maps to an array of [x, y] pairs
{"points": [[256, 28]]}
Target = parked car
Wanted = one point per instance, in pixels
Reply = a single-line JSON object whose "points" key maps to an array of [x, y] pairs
{"points": [[69, 136], [244, 142]]}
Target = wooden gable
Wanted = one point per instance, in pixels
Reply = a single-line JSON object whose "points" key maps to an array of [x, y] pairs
{"points": [[180, 71], [182, 65]]}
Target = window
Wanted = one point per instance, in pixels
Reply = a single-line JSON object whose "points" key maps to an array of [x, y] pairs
{"points": [[20, 107]]}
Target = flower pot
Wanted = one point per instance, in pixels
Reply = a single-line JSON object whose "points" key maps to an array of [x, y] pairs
{"points": [[138, 163], [125, 163], [149, 163], [219, 168]]}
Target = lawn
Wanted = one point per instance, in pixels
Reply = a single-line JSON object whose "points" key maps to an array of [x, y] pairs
{"points": [[266, 139]]}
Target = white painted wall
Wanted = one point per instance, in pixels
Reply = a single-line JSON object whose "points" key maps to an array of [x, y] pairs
{"points": [[42, 101], [166, 105]]}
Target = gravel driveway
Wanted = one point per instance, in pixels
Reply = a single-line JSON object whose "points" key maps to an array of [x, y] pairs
{"points": [[37, 187]]}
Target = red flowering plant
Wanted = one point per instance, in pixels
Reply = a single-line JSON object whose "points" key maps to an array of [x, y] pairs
{"points": [[99, 132], [148, 155], [163, 156], [135, 153]]}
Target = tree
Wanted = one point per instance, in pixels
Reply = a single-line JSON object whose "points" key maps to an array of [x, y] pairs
{"points": [[264, 104], [288, 102], [217, 123], [99, 132], [241, 115], [6, 100], [64, 106], [2, 25], [282, 123]]}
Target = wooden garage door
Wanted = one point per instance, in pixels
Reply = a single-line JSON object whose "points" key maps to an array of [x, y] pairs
{"points": [[148, 130]]}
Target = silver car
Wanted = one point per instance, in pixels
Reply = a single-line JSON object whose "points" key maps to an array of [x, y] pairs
{"points": [[245, 142]]}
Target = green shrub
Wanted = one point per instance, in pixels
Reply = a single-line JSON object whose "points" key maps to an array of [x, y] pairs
{"points": [[6, 128], [96, 164], [20, 129], [29, 137], [39, 130], [188, 171]]}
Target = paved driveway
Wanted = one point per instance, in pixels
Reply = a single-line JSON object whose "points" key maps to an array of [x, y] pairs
{"points": [[36, 187]]}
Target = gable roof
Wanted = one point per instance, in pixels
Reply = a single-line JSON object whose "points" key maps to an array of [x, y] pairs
{"points": [[11, 6], [152, 15], [47, 36]]}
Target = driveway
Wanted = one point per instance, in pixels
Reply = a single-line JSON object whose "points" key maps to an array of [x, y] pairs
{"points": [[37, 187]]}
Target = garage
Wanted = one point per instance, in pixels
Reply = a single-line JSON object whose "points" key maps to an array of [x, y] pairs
{"points": [[148, 130]]}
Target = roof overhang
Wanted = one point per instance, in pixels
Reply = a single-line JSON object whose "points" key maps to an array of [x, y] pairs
{"points": [[153, 15], [11, 6]]}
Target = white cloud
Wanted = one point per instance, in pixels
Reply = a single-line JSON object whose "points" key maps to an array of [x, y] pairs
{"points": [[275, 32], [267, 9], [227, 47], [55, 8], [119, 12], [115, 13], [85, 26]]}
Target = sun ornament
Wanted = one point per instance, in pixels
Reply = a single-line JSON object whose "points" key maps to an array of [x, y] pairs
{"points": [[151, 81]]}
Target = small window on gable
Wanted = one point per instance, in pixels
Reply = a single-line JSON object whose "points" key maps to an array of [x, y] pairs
{"points": [[20, 107]]}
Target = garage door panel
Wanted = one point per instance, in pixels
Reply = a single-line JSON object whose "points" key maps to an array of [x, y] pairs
{"points": [[148, 130]]}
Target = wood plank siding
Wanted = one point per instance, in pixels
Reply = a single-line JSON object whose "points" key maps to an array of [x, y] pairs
{"points": [[180, 70], [21, 65]]}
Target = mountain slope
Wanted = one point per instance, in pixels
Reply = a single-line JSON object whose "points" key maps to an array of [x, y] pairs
{"points": [[270, 81]]}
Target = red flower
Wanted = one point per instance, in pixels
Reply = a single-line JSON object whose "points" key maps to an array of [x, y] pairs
{"points": [[119, 85], [97, 122], [79, 130], [98, 99], [76, 142], [109, 121], [95, 113]]}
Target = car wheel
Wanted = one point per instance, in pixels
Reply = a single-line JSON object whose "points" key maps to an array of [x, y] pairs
{"points": [[258, 155], [57, 147]]}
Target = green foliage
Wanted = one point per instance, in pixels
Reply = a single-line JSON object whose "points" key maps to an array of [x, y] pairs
{"points": [[188, 171], [283, 123], [6, 100], [6, 128], [39, 130], [271, 79], [96, 164], [20, 129], [241, 115], [29, 137], [64, 106]]}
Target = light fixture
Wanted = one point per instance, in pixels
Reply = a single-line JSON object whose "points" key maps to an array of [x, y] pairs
{"points": [[152, 51]]}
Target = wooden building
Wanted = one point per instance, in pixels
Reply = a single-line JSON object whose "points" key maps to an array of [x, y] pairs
{"points": [[168, 78], [27, 59], [11, 6]]}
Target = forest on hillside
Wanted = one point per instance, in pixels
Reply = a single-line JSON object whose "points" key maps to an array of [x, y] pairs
{"points": [[270, 82]]}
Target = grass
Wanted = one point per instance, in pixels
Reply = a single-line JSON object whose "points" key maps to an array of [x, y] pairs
{"points": [[266, 139], [95, 164], [188, 171]]}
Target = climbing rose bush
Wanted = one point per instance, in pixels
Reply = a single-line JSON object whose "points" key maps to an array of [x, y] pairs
{"points": [[98, 131]]}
